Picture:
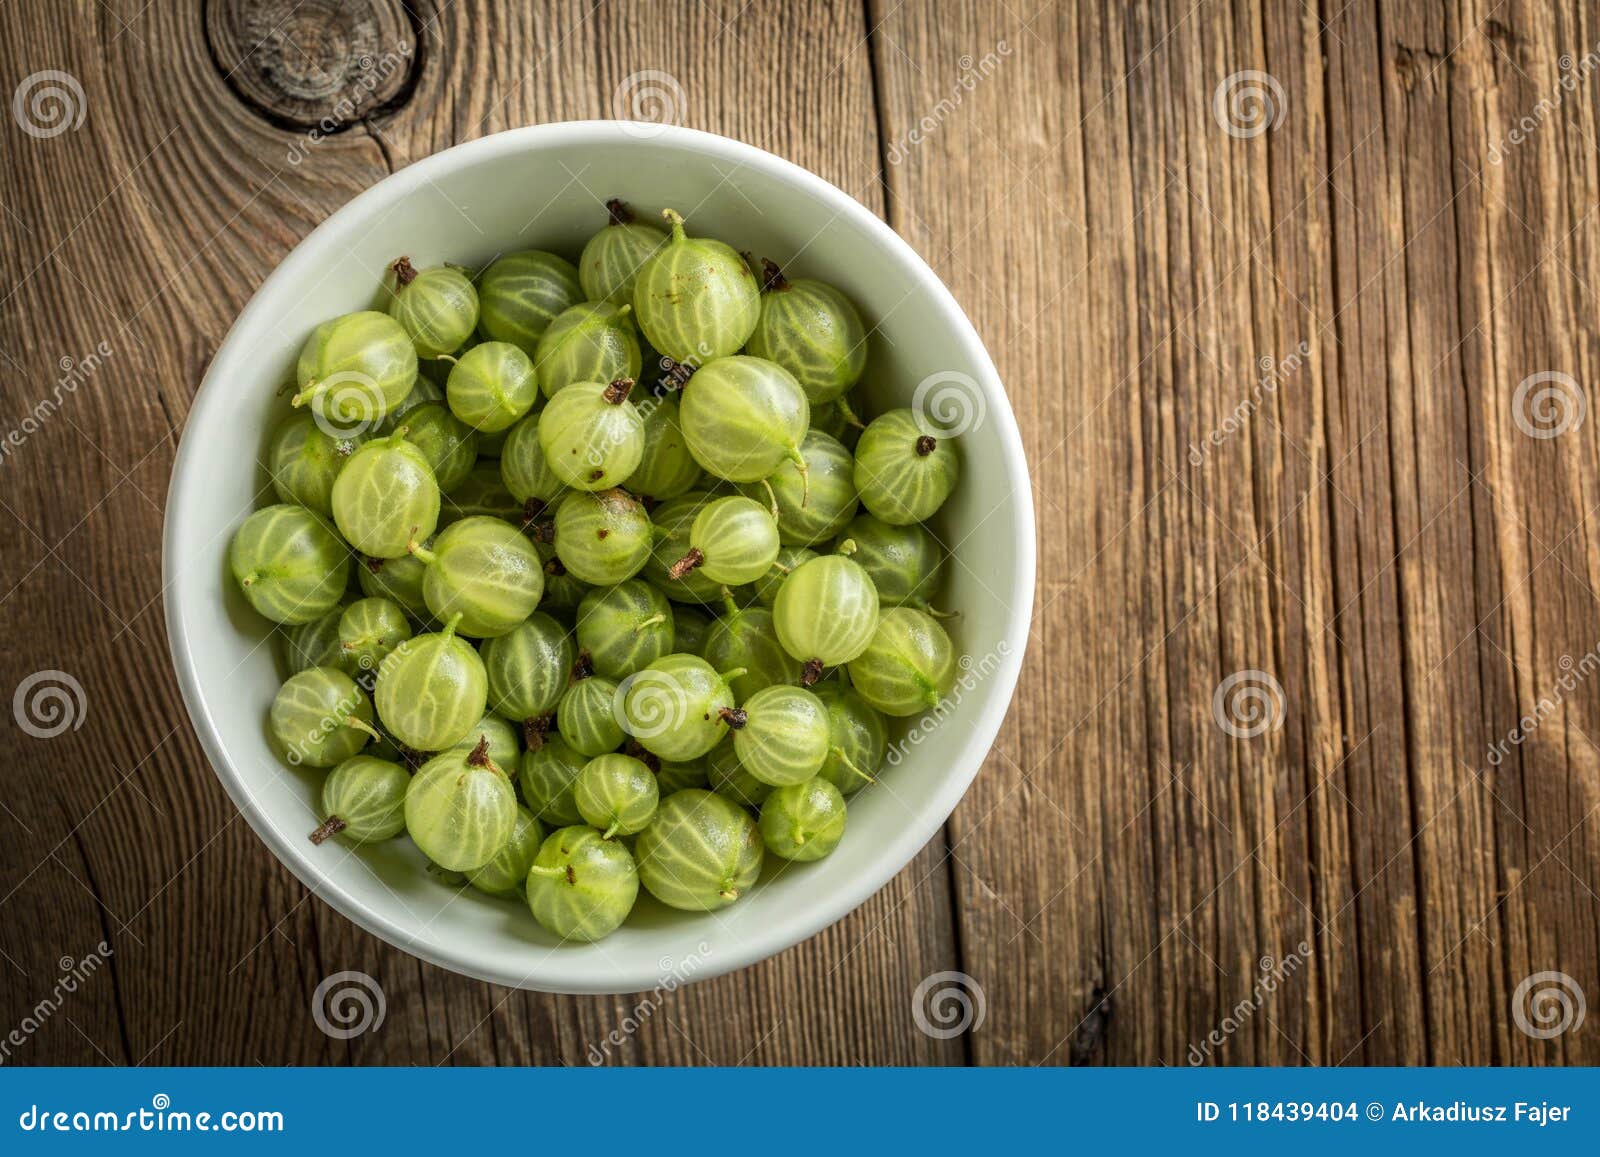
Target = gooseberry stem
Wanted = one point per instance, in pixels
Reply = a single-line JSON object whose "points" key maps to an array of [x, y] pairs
{"points": [[311, 390], [650, 622], [728, 604], [772, 278], [843, 402], [362, 725], [533, 731], [676, 218], [548, 873], [934, 612], [421, 553], [686, 564], [449, 631], [926, 445], [730, 676], [611, 831], [620, 213], [329, 827], [617, 392], [838, 753], [772, 497], [810, 672], [848, 547], [404, 272], [734, 717], [799, 461]]}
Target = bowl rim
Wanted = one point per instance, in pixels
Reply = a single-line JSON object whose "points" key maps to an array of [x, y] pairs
{"points": [[756, 943]]}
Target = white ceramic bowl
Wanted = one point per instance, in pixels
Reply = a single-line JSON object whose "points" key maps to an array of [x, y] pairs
{"points": [[542, 187]]}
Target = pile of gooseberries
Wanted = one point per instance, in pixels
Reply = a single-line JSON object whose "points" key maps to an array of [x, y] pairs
{"points": [[589, 576]]}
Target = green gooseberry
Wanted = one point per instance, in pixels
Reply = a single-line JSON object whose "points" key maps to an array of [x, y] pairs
{"points": [[304, 460], [582, 886], [364, 800], [610, 262], [789, 557], [460, 809], [904, 562], [492, 386], [625, 627], [743, 417], [733, 540], [563, 591], [386, 499], [728, 778], [816, 505], [586, 717], [320, 717], [313, 644], [803, 821], [903, 473], [500, 737], [689, 630], [528, 669], [617, 794], [909, 666], [523, 467], [448, 443], [354, 369], [548, 773], [700, 853], [484, 571], [432, 690], [695, 298], [672, 522], [591, 342], [397, 579], [858, 739], [603, 536], [507, 871], [666, 469], [369, 631], [290, 564], [678, 707], [592, 436], [437, 306], [810, 329], [783, 735], [825, 612], [743, 638], [521, 293], [481, 494]]}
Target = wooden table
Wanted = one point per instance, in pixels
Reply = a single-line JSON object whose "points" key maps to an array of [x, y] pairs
{"points": [[1299, 322]]}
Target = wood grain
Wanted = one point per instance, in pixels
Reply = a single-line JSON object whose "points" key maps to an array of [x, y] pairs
{"points": [[1372, 536]]}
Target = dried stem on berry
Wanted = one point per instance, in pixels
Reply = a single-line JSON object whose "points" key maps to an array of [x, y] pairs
{"points": [[617, 392], [810, 672], [329, 827], [620, 213], [772, 278], [584, 667], [734, 717], [925, 445], [686, 564], [533, 730], [404, 272]]}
